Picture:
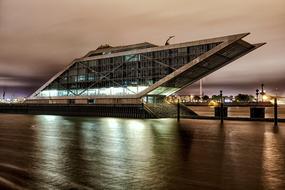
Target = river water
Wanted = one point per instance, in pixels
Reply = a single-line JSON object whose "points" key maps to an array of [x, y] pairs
{"points": [[238, 111], [56, 152]]}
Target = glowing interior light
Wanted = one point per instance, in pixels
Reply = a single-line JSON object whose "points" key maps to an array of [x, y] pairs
{"points": [[111, 91], [166, 91]]}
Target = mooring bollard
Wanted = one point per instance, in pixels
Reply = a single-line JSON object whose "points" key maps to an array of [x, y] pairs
{"points": [[275, 112], [178, 111], [222, 108]]}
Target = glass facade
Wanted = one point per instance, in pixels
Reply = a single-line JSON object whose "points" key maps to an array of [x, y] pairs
{"points": [[122, 75]]}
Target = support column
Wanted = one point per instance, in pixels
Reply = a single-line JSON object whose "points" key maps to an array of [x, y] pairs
{"points": [[222, 108], [275, 113], [178, 111], [257, 112]]}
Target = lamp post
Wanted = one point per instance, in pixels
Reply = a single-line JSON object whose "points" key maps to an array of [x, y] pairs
{"points": [[178, 111], [257, 92], [222, 108], [275, 112], [262, 92]]}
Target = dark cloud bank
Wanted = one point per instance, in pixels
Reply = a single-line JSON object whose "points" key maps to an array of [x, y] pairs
{"points": [[38, 38]]}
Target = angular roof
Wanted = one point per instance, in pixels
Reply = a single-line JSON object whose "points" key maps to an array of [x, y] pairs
{"points": [[107, 49]]}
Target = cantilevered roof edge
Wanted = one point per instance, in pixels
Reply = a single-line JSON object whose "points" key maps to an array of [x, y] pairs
{"points": [[227, 40], [256, 46], [159, 48]]}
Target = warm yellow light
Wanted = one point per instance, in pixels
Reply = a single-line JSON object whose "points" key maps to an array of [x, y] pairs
{"points": [[213, 103], [265, 97]]}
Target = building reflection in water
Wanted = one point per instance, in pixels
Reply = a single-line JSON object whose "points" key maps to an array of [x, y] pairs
{"points": [[273, 158]]}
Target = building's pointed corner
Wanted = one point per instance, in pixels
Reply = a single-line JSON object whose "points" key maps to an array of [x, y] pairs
{"points": [[241, 35], [259, 44]]}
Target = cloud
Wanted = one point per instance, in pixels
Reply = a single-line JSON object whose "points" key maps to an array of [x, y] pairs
{"points": [[39, 37], [18, 81], [12, 82]]}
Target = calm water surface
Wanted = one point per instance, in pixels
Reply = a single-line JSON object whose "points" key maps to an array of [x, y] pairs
{"points": [[238, 111], [55, 152]]}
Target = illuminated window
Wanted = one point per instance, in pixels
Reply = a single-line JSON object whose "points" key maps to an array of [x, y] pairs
{"points": [[81, 78], [131, 58]]}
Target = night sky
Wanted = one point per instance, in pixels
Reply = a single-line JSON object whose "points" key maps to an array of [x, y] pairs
{"points": [[38, 37]]}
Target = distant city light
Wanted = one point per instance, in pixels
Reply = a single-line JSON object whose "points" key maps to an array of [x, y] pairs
{"points": [[12, 100]]}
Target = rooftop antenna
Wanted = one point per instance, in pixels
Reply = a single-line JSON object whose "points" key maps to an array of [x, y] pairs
{"points": [[4, 93], [167, 41]]}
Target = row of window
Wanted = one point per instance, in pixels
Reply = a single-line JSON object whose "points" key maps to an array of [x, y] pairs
{"points": [[145, 69], [190, 51]]}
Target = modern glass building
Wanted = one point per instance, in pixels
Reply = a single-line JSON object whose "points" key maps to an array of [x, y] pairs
{"points": [[139, 72]]}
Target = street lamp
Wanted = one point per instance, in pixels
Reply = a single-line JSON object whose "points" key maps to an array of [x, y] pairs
{"points": [[262, 92]]}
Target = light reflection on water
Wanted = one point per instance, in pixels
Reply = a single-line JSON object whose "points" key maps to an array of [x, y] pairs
{"points": [[56, 152], [238, 111], [273, 159]]}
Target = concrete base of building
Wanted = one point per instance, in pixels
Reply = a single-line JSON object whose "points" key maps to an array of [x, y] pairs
{"points": [[98, 110]]}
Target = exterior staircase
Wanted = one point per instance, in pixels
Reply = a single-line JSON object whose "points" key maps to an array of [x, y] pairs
{"points": [[167, 110]]}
